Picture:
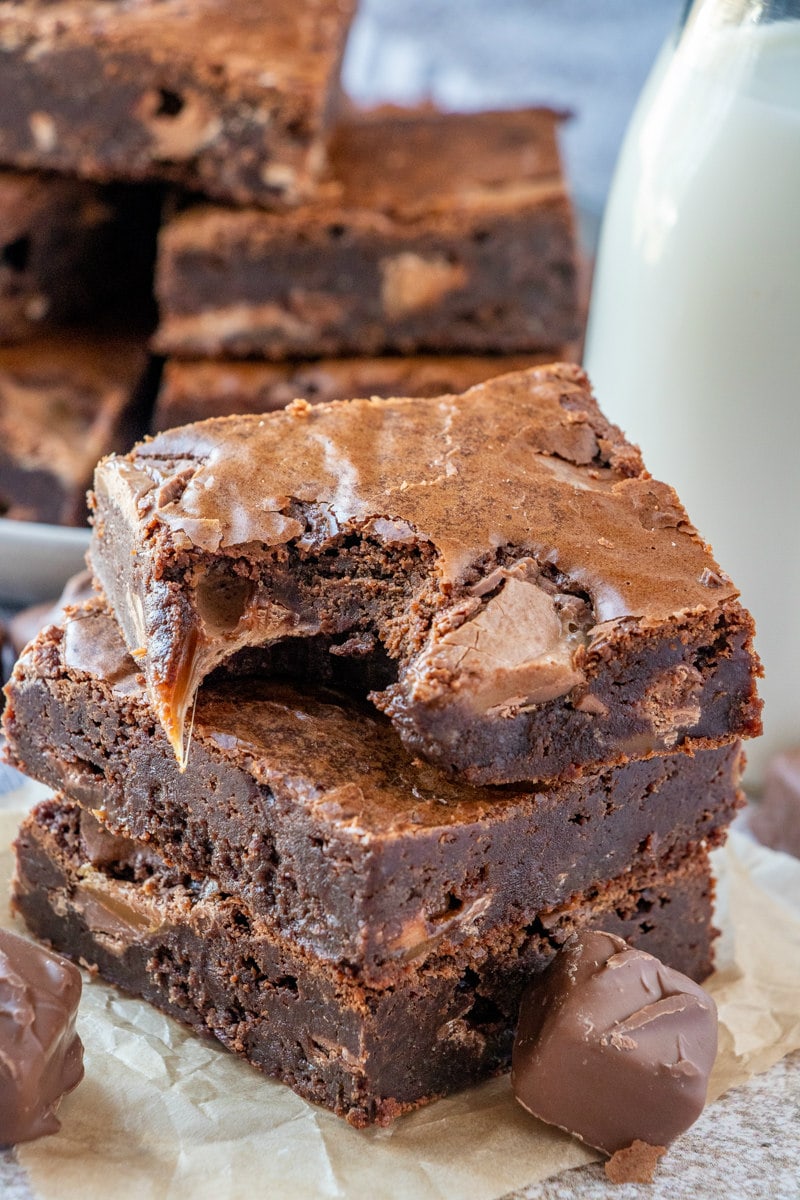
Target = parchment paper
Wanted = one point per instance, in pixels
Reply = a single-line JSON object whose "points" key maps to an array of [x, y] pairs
{"points": [[164, 1115]]}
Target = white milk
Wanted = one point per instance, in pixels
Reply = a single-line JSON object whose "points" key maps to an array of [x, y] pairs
{"points": [[694, 332]]}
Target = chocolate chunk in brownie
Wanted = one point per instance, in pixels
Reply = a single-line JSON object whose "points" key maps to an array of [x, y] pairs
{"points": [[193, 391], [305, 804], [72, 251], [65, 400], [545, 606], [443, 232], [228, 97], [367, 1054]]}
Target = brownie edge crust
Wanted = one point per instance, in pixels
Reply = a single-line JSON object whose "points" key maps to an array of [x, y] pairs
{"points": [[367, 1055], [544, 605]]}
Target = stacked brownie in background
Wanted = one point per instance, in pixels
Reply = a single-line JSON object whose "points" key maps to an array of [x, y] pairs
{"points": [[449, 236], [110, 112], [305, 249], [380, 701]]}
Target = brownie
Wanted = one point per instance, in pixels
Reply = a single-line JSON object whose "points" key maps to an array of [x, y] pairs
{"points": [[305, 804], [28, 622], [72, 251], [437, 232], [536, 604], [65, 400], [229, 97], [192, 391], [368, 1054]]}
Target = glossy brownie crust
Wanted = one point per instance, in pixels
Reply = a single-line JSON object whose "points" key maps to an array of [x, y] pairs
{"points": [[306, 806], [228, 97], [543, 605], [368, 1055], [193, 391], [65, 400], [460, 241]]}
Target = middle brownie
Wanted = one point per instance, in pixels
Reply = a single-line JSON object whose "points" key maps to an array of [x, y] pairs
{"points": [[306, 806]]}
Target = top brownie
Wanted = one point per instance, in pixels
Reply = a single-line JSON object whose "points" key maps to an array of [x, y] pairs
{"points": [[523, 599], [226, 96]]}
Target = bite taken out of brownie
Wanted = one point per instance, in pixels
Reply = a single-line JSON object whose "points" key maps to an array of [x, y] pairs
{"points": [[537, 603]]}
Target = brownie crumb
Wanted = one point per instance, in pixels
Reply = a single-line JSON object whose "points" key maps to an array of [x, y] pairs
{"points": [[635, 1163]]}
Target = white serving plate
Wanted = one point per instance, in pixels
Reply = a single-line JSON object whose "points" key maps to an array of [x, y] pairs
{"points": [[37, 560]]}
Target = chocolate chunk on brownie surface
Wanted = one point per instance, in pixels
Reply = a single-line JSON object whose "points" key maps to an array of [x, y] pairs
{"points": [[444, 232], [368, 1054], [228, 97], [544, 604], [304, 803]]}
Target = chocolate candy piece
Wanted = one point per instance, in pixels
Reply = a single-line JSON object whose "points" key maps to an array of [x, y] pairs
{"points": [[41, 1055], [776, 821], [613, 1046]]}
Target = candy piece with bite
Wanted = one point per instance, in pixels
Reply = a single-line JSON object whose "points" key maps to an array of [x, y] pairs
{"points": [[613, 1046], [41, 1055]]}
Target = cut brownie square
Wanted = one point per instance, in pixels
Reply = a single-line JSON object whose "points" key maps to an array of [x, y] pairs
{"points": [[305, 805], [229, 97], [368, 1054], [73, 251], [536, 604], [194, 391], [443, 232], [65, 400]]}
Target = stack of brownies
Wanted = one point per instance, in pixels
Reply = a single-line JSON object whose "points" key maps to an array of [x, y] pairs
{"points": [[109, 113], [297, 239], [442, 243], [377, 702]]}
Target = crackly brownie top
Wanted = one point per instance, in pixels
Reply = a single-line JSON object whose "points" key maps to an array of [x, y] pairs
{"points": [[328, 752], [280, 46], [524, 467]]}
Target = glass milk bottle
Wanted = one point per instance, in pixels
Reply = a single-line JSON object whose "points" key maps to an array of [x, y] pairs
{"points": [[693, 343]]}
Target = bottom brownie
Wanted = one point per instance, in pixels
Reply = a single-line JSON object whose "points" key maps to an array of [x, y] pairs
{"points": [[367, 1053]]}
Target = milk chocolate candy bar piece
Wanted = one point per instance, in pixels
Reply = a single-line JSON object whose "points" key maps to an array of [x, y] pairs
{"points": [[542, 605], [41, 1055], [228, 97], [776, 820], [443, 232], [614, 1046]]}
